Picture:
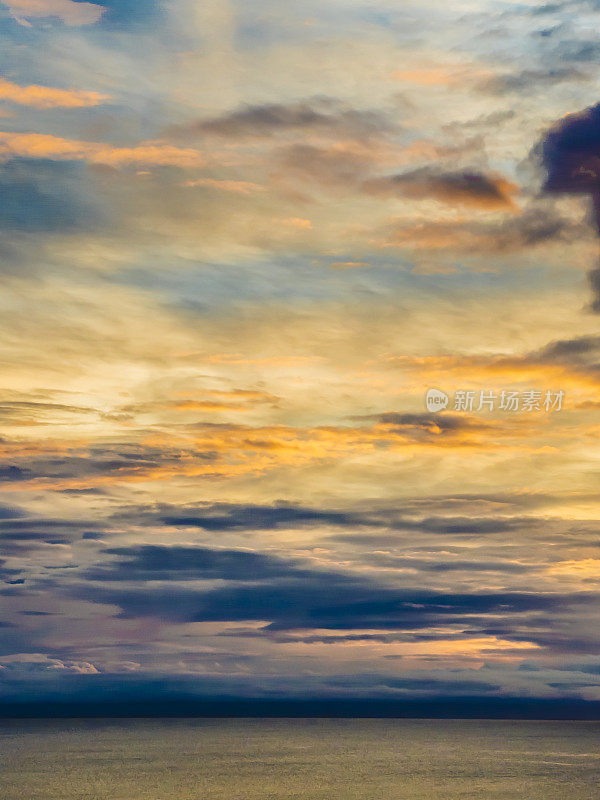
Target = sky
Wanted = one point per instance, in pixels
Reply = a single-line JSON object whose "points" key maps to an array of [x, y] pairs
{"points": [[240, 241]]}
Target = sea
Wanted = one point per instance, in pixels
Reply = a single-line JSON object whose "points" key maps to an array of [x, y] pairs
{"points": [[299, 759]]}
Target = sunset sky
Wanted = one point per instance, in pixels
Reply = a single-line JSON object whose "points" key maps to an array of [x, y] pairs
{"points": [[239, 243]]}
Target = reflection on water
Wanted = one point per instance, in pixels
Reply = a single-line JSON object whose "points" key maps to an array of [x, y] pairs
{"points": [[304, 759]]}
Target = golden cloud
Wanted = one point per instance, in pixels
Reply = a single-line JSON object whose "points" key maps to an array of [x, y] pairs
{"points": [[49, 97], [41, 145]]}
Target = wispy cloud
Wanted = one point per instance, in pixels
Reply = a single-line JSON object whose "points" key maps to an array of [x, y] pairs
{"points": [[68, 11]]}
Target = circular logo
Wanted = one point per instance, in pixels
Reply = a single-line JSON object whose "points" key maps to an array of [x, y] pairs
{"points": [[436, 400]]}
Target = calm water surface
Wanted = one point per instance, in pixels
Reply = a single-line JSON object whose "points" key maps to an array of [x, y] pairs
{"points": [[304, 759]]}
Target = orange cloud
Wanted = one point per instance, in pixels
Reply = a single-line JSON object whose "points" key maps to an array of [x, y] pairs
{"points": [[423, 150], [207, 405], [462, 187], [527, 229], [70, 12], [349, 264], [584, 568], [294, 222], [238, 450], [41, 145], [434, 269], [48, 97], [438, 76], [235, 394], [238, 187], [471, 370], [265, 361], [432, 76]]}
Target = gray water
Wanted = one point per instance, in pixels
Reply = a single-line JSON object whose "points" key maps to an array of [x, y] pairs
{"points": [[251, 759]]}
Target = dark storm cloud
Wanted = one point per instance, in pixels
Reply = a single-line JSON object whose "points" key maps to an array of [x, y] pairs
{"points": [[112, 696], [96, 461], [10, 512], [566, 636], [158, 562], [580, 354], [570, 153], [232, 517], [24, 536], [427, 423], [478, 519], [10, 472], [296, 599], [322, 115], [580, 350], [428, 685], [225, 516], [594, 281], [23, 528], [40, 195], [470, 187]]}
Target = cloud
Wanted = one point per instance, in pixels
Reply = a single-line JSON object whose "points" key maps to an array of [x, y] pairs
{"points": [[230, 517], [571, 153], [580, 350], [10, 472], [455, 565], [7, 574], [69, 11], [577, 50], [22, 665], [321, 115], [333, 167], [48, 97], [594, 281], [429, 685], [24, 536], [535, 226], [529, 81], [225, 518], [434, 76], [332, 600], [466, 187], [141, 296], [177, 563], [237, 187], [428, 423], [40, 145], [451, 526], [9, 512], [350, 264], [103, 464]]}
